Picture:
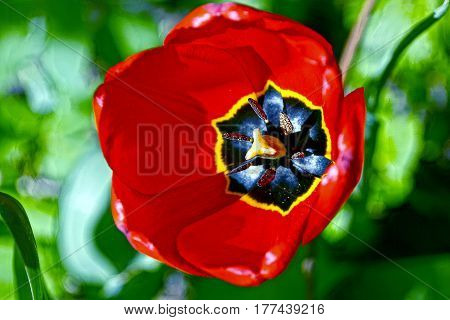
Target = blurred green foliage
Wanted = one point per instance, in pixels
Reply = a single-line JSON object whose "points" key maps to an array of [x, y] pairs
{"points": [[53, 55]]}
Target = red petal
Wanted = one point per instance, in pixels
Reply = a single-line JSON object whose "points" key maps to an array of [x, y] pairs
{"points": [[232, 12], [169, 87], [299, 58], [342, 177], [153, 222], [204, 14], [297, 62], [115, 71], [242, 244], [98, 101]]}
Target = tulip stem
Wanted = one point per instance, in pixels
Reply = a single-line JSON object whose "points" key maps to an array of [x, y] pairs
{"points": [[355, 37]]}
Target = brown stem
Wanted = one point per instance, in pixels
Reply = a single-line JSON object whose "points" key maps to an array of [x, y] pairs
{"points": [[355, 37]]}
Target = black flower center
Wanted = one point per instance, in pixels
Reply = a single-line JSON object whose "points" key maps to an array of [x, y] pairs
{"points": [[275, 149]]}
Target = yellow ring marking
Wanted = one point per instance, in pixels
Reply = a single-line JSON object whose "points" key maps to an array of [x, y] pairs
{"points": [[222, 168]]}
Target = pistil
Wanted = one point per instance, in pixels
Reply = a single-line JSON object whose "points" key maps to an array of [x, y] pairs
{"points": [[265, 146]]}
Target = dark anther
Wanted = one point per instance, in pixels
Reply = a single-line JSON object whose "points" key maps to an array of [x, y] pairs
{"points": [[242, 166], [258, 109], [236, 136], [285, 124], [267, 177], [298, 155], [311, 165]]}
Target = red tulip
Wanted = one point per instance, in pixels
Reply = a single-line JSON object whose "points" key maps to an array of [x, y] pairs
{"points": [[231, 144]]}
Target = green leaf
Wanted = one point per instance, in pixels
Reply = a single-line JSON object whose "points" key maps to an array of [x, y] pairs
{"points": [[17, 221], [23, 289], [142, 285], [112, 243], [412, 35]]}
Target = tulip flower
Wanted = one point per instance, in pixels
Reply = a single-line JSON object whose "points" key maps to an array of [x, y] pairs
{"points": [[277, 151]]}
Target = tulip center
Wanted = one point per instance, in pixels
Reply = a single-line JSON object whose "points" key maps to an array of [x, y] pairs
{"points": [[273, 149]]}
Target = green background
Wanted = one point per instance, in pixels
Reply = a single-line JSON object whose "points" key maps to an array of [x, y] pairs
{"points": [[390, 242]]}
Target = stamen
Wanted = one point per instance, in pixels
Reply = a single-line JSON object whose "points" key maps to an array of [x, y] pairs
{"points": [[242, 166], [298, 155], [285, 124], [258, 109], [312, 165], [236, 136], [267, 177]]}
